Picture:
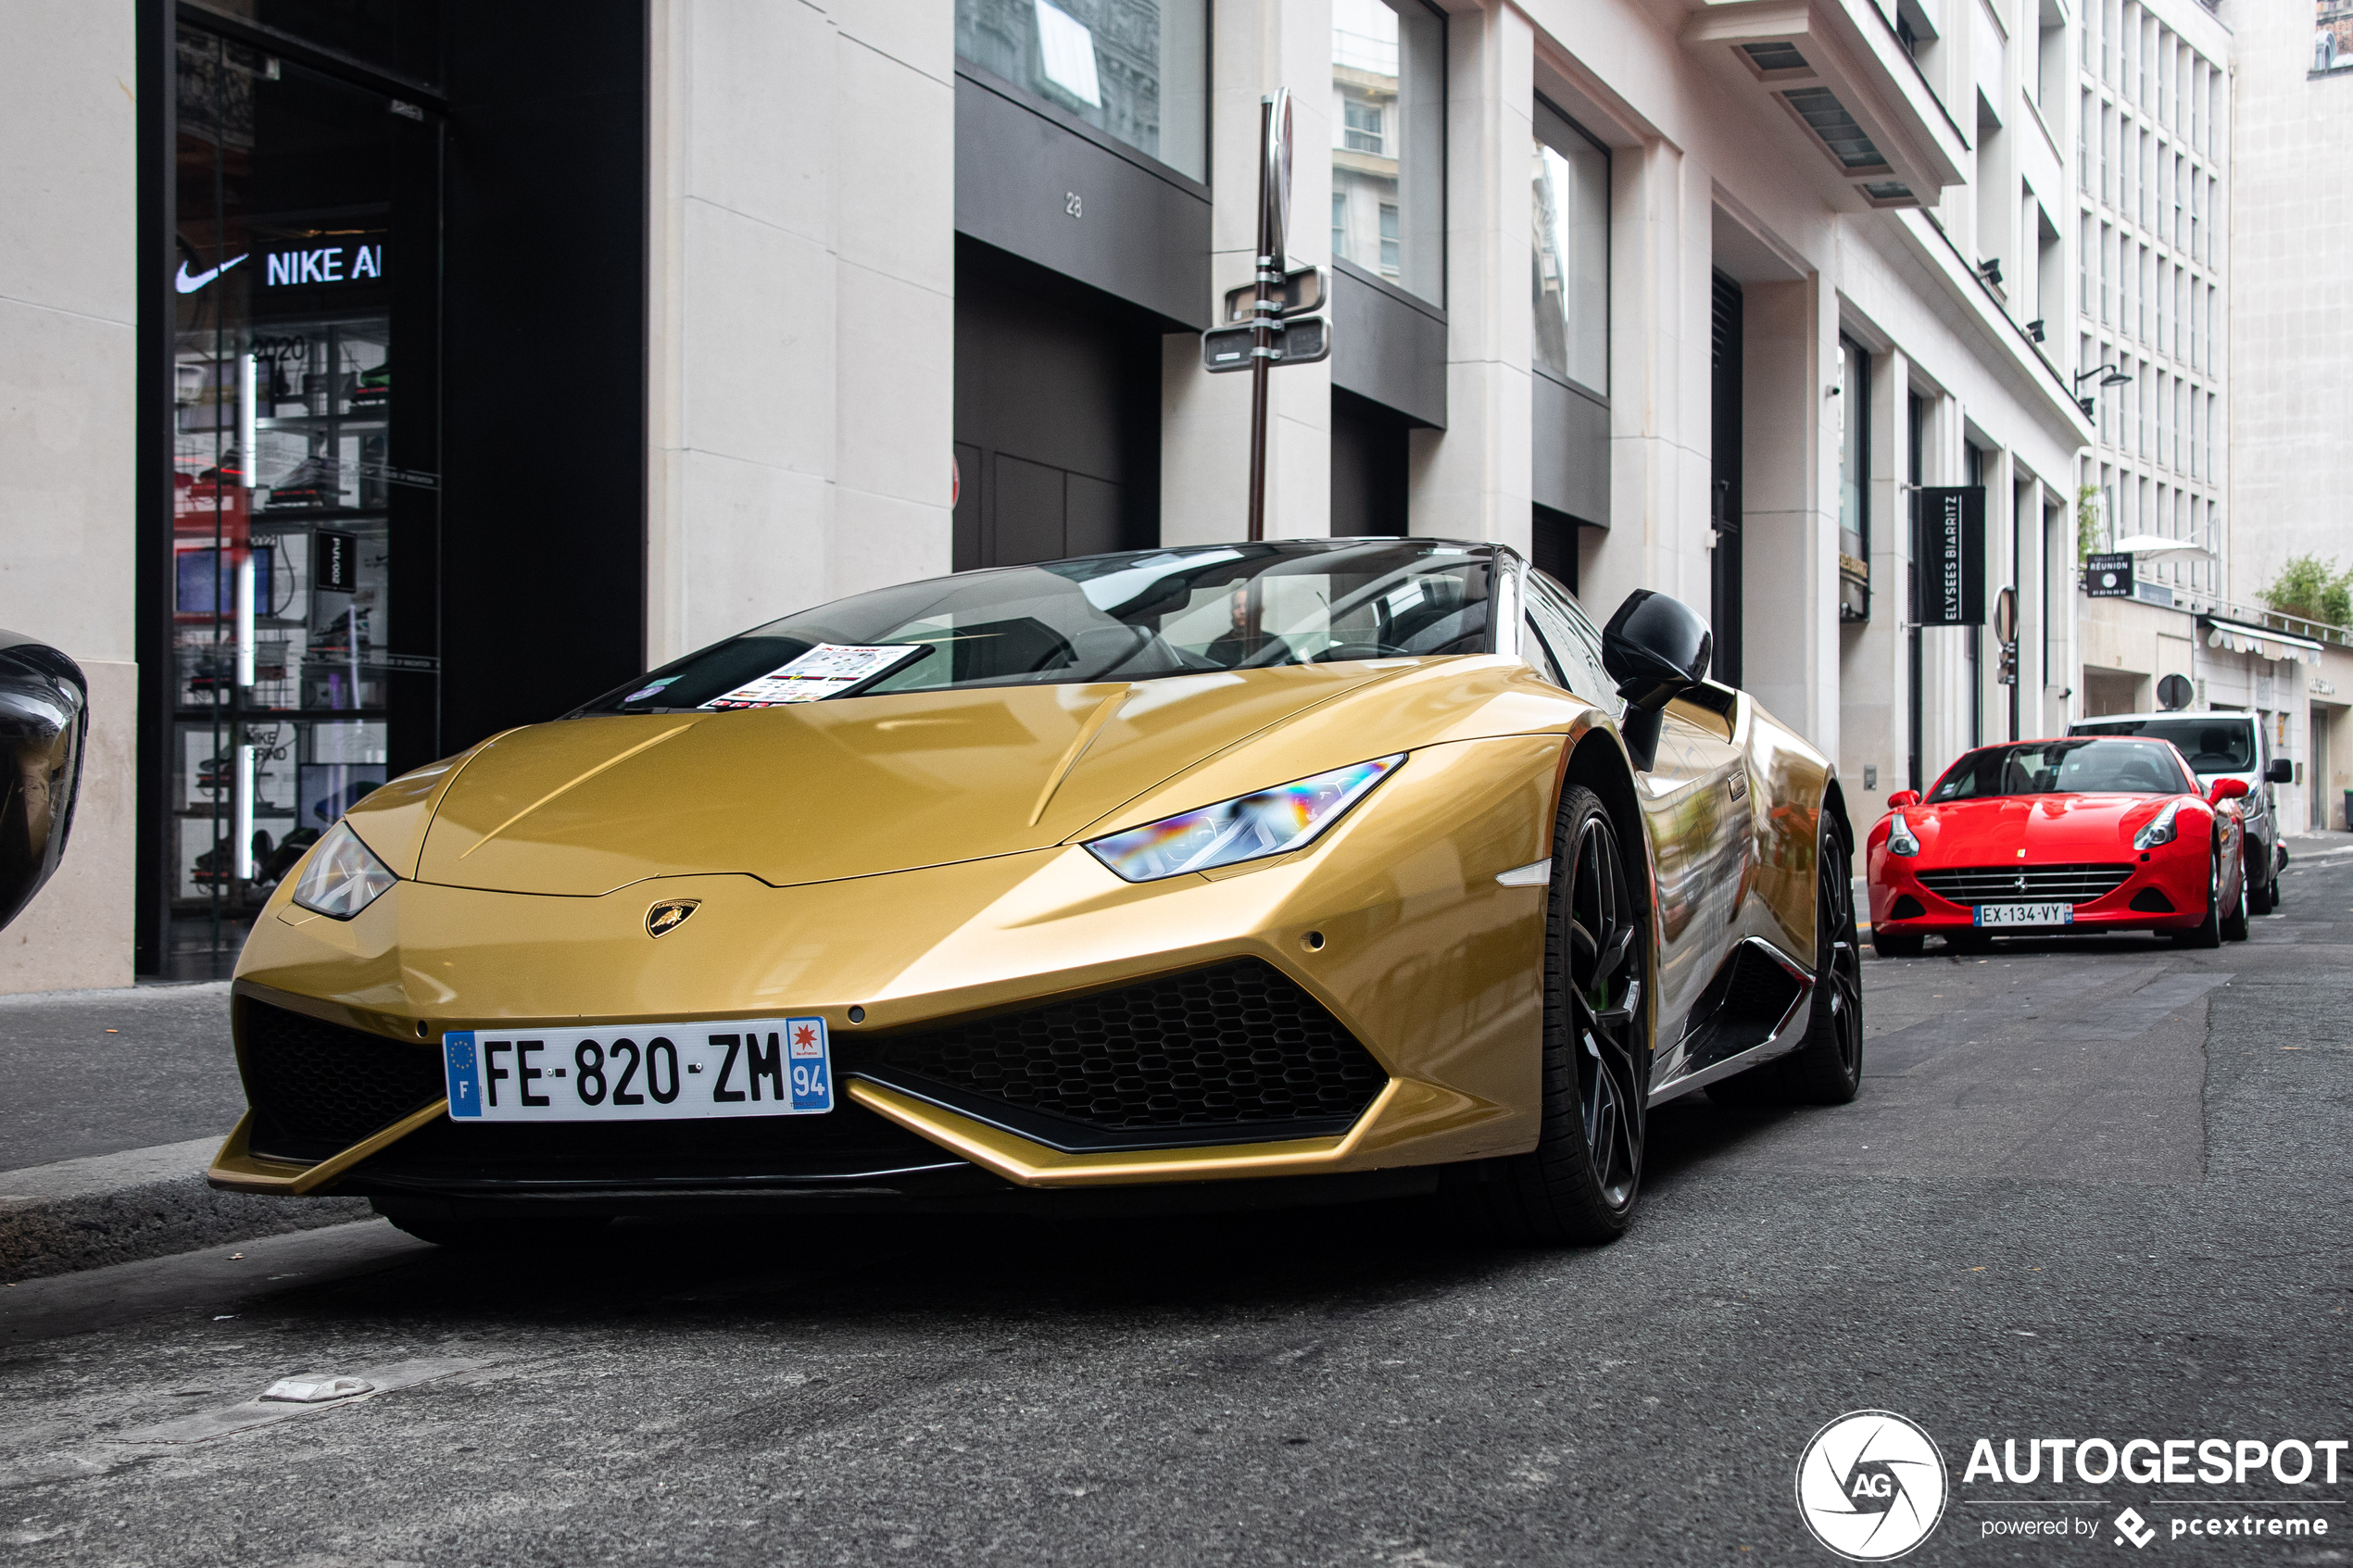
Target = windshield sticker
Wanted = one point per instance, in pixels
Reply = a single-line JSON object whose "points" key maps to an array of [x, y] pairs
{"points": [[642, 693], [828, 670]]}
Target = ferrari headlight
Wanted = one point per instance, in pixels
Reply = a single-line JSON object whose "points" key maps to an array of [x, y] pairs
{"points": [[2159, 829], [1899, 837], [1247, 828], [342, 876]]}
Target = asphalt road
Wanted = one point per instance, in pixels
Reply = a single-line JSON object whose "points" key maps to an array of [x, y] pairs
{"points": [[2094, 1190], [100, 1072]]}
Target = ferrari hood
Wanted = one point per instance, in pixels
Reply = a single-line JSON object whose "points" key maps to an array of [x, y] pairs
{"points": [[817, 792], [2061, 828]]}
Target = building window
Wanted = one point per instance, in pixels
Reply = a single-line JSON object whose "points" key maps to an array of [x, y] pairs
{"points": [[1140, 73], [1854, 405], [305, 475], [1571, 252], [1389, 126]]}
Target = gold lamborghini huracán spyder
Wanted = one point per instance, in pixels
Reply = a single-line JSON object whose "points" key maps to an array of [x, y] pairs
{"points": [[1217, 875]]}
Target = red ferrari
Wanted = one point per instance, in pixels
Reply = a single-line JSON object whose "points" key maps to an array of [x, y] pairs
{"points": [[2039, 838]]}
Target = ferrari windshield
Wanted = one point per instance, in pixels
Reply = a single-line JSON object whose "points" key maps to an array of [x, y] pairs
{"points": [[2214, 743], [1130, 616], [2064, 766]]}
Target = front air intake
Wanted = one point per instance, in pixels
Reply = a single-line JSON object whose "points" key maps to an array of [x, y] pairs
{"points": [[317, 1088], [1237, 1053]]}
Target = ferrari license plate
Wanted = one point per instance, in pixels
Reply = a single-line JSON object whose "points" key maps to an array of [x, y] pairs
{"points": [[2026, 914], [640, 1073]]}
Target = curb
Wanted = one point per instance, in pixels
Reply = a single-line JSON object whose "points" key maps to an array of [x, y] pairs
{"points": [[142, 1203]]}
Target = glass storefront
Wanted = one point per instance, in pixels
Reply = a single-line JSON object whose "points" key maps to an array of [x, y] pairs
{"points": [[1135, 70], [1389, 142], [1571, 264], [306, 505]]}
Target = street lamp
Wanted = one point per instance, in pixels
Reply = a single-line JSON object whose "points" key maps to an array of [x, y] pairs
{"points": [[2110, 375]]}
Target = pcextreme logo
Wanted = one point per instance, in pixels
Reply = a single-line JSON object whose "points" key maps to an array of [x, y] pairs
{"points": [[1870, 1485]]}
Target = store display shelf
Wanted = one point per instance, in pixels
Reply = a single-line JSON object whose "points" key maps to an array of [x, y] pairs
{"points": [[313, 422]]}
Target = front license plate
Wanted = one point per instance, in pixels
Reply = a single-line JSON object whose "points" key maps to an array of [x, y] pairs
{"points": [[2026, 914], [640, 1073]]}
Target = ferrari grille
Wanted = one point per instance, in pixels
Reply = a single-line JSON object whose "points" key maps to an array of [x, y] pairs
{"points": [[2005, 884], [1240, 1051], [317, 1085]]}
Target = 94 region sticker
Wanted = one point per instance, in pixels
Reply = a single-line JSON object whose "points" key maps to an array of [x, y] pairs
{"points": [[1870, 1485]]}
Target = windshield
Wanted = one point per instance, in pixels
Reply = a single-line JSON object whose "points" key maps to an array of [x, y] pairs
{"points": [[2213, 744], [1128, 617], [2064, 766]]}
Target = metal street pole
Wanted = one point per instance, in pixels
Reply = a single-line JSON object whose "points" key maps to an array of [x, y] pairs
{"points": [[1274, 208]]}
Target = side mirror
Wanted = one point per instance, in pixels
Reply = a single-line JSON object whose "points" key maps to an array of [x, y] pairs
{"points": [[2226, 789], [1655, 649], [2282, 771], [44, 727], [1902, 798]]}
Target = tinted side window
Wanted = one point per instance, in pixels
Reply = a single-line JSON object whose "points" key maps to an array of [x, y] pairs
{"points": [[1532, 647], [1574, 641]]}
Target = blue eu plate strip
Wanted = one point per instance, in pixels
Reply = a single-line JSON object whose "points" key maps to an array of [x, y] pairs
{"points": [[465, 1079]]}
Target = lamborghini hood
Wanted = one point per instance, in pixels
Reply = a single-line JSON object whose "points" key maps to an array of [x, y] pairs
{"points": [[816, 792]]}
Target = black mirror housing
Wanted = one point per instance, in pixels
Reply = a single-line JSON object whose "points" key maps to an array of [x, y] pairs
{"points": [[2282, 771], [44, 728], [1654, 647]]}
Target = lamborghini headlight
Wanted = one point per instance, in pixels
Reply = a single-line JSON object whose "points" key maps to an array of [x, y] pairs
{"points": [[1899, 837], [2159, 829], [342, 876], [1247, 828]]}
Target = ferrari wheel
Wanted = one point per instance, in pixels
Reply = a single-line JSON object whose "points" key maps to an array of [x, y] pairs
{"points": [[2208, 931], [1579, 1183], [1827, 1066], [2234, 923], [1898, 943]]}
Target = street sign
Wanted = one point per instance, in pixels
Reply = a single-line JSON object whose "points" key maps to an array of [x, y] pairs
{"points": [[1948, 555], [2173, 693], [2108, 577], [1302, 291], [1301, 340]]}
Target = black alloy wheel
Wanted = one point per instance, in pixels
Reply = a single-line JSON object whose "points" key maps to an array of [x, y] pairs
{"points": [[1580, 1181], [1827, 1066]]}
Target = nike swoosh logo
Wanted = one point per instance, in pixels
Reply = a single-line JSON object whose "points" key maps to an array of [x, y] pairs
{"points": [[187, 284]]}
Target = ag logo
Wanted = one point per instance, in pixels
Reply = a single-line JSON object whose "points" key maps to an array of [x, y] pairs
{"points": [[669, 915], [1870, 1485]]}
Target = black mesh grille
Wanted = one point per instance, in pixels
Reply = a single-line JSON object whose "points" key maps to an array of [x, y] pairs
{"points": [[1239, 1047], [2003, 885], [314, 1084]]}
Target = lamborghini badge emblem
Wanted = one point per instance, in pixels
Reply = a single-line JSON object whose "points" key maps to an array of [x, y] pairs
{"points": [[669, 915]]}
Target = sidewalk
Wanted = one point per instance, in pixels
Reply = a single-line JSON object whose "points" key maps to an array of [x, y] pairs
{"points": [[120, 1099]]}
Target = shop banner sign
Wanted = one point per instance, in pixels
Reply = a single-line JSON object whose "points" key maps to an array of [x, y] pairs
{"points": [[2108, 576], [1948, 555]]}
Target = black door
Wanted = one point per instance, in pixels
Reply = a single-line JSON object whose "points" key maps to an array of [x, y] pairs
{"points": [[1057, 416], [1724, 492]]}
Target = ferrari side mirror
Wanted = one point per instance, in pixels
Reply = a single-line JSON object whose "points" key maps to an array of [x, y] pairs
{"points": [[44, 727], [1902, 798], [2228, 789], [2282, 771], [1655, 649]]}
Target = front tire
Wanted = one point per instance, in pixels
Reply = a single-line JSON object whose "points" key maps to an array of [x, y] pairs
{"points": [[2235, 923], [1898, 943], [1579, 1182]]}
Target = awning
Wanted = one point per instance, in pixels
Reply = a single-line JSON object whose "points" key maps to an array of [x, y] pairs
{"points": [[2261, 641]]}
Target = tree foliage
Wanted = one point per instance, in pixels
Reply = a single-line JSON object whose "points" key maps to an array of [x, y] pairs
{"points": [[2313, 588]]}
